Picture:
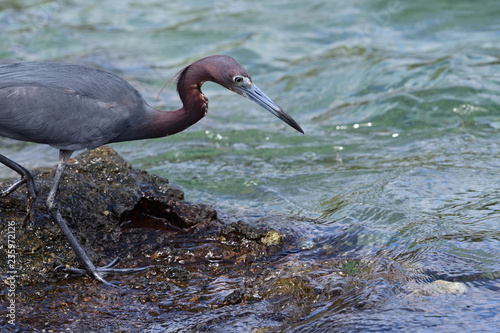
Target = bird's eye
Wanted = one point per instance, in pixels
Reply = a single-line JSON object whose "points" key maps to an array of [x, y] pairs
{"points": [[238, 79]]}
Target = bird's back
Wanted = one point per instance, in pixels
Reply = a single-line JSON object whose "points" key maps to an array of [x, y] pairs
{"points": [[87, 81], [65, 105]]}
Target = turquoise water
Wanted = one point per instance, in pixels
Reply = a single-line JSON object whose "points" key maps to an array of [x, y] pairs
{"points": [[399, 101]]}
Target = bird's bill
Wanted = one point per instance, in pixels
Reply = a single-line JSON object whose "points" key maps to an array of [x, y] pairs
{"points": [[255, 94]]}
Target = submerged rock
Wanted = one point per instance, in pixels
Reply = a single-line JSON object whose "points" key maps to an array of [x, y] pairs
{"points": [[440, 287]]}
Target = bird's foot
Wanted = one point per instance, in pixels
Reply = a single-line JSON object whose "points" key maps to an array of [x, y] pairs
{"points": [[100, 272], [32, 193]]}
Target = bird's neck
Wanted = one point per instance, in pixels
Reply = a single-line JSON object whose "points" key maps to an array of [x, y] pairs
{"points": [[195, 107]]}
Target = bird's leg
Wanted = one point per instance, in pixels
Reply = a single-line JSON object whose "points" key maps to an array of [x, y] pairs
{"points": [[64, 156], [89, 267], [26, 178]]}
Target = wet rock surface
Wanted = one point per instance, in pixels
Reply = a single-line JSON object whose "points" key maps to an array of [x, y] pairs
{"points": [[209, 272]]}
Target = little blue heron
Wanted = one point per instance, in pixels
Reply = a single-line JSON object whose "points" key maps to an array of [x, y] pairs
{"points": [[72, 107]]}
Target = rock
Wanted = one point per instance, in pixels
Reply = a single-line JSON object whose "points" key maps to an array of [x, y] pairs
{"points": [[440, 287], [235, 297], [114, 210], [102, 199]]}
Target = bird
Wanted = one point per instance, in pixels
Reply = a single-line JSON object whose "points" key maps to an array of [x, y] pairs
{"points": [[72, 107]]}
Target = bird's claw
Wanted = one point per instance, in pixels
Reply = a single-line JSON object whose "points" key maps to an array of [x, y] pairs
{"points": [[101, 272]]}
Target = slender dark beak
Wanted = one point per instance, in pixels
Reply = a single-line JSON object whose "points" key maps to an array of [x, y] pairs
{"points": [[253, 93]]}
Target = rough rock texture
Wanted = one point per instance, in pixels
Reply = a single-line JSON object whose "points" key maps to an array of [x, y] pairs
{"points": [[114, 210], [103, 199]]}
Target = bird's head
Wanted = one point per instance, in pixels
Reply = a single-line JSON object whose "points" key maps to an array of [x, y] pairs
{"points": [[227, 72]]}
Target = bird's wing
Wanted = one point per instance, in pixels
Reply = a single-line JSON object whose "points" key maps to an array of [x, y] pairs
{"points": [[69, 108]]}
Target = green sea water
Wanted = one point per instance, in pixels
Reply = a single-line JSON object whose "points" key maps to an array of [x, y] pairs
{"points": [[399, 100]]}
